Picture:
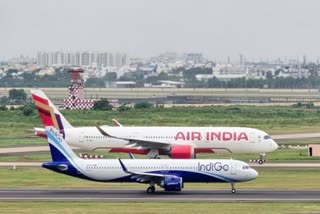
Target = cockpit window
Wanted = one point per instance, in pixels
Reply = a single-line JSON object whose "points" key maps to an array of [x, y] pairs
{"points": [[246, 167], [266, 137]]}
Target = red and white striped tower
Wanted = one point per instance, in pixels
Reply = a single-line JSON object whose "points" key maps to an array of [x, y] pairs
{"points": [[76, 98]]}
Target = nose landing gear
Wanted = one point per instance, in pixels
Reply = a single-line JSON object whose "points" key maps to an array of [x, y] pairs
{"points": [[233, 189], [261, 159]]}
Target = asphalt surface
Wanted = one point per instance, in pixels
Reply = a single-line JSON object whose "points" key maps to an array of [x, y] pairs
{"points": [[114, 195]]}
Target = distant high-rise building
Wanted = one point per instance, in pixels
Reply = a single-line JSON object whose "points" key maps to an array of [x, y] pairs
{"points": [[51, 58], [82, 59], [21, 60], [72, 57], [304, 59], [85, 58], [111, 60], [124, 60], [77, 59], [42, 58], [195, 57], [104, 59], [60, 58], [118, 59]]}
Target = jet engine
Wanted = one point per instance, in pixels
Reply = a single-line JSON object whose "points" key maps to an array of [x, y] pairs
{"points": [[182, 152], [172, 184], [42, 134]]}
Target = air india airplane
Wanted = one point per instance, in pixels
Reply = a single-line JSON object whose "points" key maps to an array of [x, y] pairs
{"points": [[167, 173], [177, 142]]}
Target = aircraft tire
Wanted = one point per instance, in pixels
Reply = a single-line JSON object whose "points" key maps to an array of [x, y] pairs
{"points": [[151, 190]]}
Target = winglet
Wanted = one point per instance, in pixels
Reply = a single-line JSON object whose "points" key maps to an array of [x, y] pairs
{"points": [[116, 123], [124, 168]]}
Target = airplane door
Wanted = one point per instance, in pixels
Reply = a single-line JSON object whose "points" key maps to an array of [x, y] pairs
{"points": [[81, 165], [233, 169], [252, 137], [81, 136]]}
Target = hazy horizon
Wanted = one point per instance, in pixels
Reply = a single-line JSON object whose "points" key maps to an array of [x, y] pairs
{"points": [[218, 29]]}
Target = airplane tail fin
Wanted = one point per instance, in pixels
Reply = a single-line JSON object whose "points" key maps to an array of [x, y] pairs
{"points": [[49, 114], [59, 149]]}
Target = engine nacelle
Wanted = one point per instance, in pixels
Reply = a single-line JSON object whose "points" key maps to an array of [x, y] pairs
{"points": [[40, 134], [172, 184], [182, 152]]}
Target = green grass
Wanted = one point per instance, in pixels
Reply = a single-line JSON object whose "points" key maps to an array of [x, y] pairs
{"points": [[281, 178], [12, 142], [130, 207]]}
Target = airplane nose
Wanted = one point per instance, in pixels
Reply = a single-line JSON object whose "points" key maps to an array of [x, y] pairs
{"points": [[274, 145], [253, 174]]}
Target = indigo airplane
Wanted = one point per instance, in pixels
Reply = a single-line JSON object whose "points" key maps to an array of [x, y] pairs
{"points": [[167, 173], [177, 142]]}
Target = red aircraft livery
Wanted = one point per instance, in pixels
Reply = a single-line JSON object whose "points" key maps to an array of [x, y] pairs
{"points": [[224, 136]]}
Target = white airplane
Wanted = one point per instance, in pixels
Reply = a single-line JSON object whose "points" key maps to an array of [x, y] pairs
{"points": [[166, 173], [177, 142]]}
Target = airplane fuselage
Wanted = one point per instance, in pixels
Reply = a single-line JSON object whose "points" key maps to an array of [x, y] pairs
{"points": [[203, 139], [105, 170]]}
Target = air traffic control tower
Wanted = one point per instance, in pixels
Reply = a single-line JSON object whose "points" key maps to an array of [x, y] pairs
{"points": [[76, 97]]}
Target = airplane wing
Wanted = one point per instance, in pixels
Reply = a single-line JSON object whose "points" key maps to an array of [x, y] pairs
{"points": [[143, 177], [137, 142]]}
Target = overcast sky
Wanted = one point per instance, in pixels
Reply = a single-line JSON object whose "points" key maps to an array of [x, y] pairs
{"points": [[255, 28]]}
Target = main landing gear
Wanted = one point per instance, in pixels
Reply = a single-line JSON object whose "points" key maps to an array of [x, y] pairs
{"points": [[233, 189], [151, 189]]}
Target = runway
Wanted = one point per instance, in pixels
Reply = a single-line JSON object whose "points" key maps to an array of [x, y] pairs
{"points": [[139, 195]]}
